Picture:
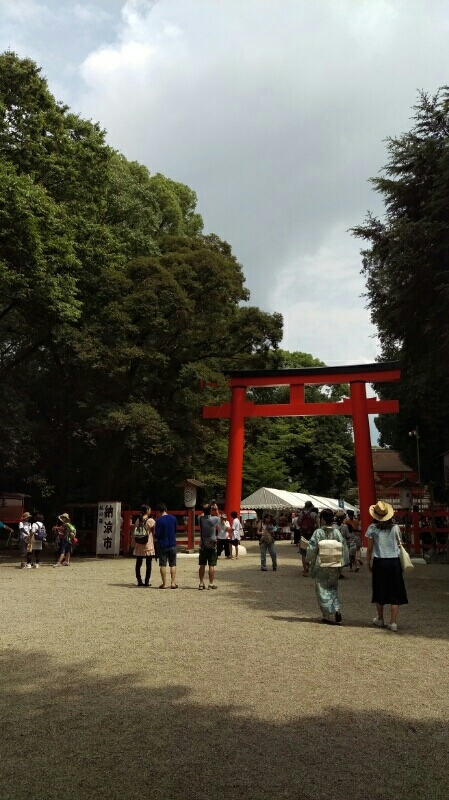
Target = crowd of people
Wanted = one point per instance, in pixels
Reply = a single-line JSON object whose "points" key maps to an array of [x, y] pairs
{"points": [[327, 542], [32, 535]]}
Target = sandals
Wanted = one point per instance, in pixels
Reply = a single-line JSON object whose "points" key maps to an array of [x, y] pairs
{"points": [[201, 586], [174, 586], [162, 586]]}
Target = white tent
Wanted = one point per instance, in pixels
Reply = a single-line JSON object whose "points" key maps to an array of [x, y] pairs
{"points": [[277, 499]]}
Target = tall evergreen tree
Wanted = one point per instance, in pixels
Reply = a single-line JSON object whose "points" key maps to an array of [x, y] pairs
{"points": [[407, 275]]}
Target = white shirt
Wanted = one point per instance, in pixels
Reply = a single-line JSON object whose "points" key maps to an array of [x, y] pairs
{"points": [[236, 528], [223, 529]]}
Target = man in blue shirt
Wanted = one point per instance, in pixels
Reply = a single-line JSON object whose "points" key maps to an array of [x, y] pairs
{"points": [[165, 537]]}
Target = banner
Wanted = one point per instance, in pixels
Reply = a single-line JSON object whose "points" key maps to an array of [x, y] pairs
{"points": [[108, 528]]}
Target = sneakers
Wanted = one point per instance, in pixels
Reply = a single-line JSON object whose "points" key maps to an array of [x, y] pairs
{"points": [[392, 627], [263, 569], [338, 617], [57, 564], [379, 623], [28, 566], [212, 586], [36, 566], [201, 586]]}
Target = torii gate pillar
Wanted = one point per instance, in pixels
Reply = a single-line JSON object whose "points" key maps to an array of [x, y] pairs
{"points": [[234, 473], [363, 454]]}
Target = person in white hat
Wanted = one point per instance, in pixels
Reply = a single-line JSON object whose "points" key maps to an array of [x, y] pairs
{"points": [[383, 561], [223, 540]]}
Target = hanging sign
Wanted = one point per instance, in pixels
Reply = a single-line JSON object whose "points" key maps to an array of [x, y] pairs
{"points": [[190, 496], [406, 498], [108, 529]]}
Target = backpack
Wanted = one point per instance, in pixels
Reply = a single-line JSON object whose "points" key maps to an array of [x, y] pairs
{"points": [[206, 541], [141, 533], [71, 533], [306, 525], [41, 533], [68, 532]]}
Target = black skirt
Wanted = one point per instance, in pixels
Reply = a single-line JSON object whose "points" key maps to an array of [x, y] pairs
{"points": [[388, 582]]}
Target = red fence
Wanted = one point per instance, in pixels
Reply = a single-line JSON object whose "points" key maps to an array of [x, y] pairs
{"points": [[424, 530]]}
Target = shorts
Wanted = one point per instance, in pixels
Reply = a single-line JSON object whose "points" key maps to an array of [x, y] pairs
{"points": [[235, 542], [65, 547], [207, 555], [164, 553]]}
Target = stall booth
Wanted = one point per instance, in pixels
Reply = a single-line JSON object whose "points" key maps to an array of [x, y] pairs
{"points": [[12, 506]]}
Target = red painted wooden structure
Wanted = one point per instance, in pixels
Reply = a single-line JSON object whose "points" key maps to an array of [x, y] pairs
{"points": [[357, 405]]}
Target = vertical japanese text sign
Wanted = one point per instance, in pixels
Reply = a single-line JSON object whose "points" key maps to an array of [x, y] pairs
{"points": [[108, 529]]}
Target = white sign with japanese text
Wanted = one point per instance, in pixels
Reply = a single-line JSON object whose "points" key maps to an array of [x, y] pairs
{"points": [[108, 528]]}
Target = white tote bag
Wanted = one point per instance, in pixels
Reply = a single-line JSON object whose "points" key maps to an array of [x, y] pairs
{"points": [[404, 558]]}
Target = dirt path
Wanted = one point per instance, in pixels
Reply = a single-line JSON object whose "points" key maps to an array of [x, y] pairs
{"points": [[110, 691]]}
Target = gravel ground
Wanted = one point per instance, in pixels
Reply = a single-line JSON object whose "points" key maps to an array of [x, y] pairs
{"points": [[111, 691]]}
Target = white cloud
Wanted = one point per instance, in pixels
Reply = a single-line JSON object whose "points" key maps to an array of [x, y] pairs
{"points": [[275, 112], [22, 11], [89, 13]]}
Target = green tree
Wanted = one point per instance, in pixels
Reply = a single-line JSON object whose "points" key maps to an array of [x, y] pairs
{"points": [[315, 453], [118, 313], [406, 266]]}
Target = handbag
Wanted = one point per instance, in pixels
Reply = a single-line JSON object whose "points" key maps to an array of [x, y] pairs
{"points": [[404, 558], [266, 537]]}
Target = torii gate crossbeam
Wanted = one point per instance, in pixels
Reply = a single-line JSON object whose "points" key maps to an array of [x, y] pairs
{"points": [[357, 405]]}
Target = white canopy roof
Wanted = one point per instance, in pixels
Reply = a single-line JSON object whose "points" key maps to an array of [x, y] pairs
{"points": [[277, 499]]}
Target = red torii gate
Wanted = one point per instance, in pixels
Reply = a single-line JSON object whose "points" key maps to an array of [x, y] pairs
{"points": [[357, 405]]}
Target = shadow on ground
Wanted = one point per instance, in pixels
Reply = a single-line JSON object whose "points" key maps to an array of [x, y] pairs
{"points": [[68, 733]]}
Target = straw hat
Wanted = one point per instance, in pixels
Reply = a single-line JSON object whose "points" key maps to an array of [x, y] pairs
{"points": [[381, 511], [64, 516], [26, 515]]}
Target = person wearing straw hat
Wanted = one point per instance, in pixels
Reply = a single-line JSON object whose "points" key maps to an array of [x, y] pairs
{"points": [[24, 538], [383, 561], [66, 533]]}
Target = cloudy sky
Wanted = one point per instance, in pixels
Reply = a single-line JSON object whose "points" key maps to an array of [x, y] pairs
{"points": [[274, 111]]}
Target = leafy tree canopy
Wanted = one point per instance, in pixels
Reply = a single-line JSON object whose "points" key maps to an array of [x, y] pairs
{"points": [[116, 310]]}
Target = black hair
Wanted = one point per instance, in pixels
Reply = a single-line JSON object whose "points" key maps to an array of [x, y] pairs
{"points": [[327, 515], [161, 507], [384, 526], [144, 509], [206, 509], [234, 514]]}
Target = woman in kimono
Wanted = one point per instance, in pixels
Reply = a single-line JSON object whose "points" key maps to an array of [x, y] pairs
{"points": [[326, 577]]}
